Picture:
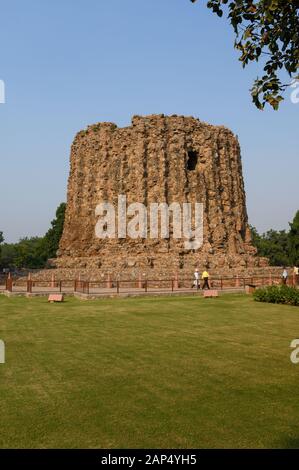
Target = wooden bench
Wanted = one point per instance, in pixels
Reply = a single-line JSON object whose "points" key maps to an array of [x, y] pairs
{"points": [[55, 298], [210, 293], [250, 288]]}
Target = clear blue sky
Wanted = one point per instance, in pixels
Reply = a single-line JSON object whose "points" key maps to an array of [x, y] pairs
{"points": [[70, 63]]}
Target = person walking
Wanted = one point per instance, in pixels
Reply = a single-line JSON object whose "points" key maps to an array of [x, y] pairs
{"points": [[196, 283], [296, 275], [205, 277], [284, 276]]}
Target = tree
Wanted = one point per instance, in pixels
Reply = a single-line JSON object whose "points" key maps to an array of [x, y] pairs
{"points": [[273, 245], [8, 255], [265, 30], [294, 240], [1, 240], [29, 253], [53, 235], [255, 237], [34, 252]]}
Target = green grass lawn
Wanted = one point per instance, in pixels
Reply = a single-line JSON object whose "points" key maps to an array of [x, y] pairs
{"points": [[148, 372]]}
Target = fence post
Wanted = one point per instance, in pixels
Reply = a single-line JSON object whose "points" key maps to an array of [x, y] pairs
{"points": [[117, 286], [9, 283], [145, 286], [60, 286], [29, 286], [221, 283], [172, 284], [29, 280], [139, 281], [109, 282], [176, 280]]}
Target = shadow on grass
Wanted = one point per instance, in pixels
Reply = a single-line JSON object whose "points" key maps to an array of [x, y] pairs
{"points": [[289, 443]]}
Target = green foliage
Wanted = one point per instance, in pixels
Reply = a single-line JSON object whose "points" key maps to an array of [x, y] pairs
{"points": [[273, 245], [277, 295], [1, 240], [255, 237], [8, 255], [266, 30], [29, 253], [52, 238], [281, 247], [35, 251], [294, 240]]}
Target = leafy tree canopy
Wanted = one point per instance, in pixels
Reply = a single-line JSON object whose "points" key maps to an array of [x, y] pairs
{"points": [[294, 240], [266, 30], [273, 245], [281, 247], [1, 240], [53, 235], [34, 252]]}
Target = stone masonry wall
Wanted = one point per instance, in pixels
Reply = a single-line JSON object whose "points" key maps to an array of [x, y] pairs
{"points": [[149, 161]]}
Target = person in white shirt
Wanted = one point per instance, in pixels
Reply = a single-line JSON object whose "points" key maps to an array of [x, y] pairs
{"points": [[196, 279], [284, 276], [296, 275]]}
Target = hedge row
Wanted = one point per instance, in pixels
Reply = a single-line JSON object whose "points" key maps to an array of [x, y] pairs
{"points": [[277, 295]]}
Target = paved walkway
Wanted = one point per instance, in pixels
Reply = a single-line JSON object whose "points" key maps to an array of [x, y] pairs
{"points": [[109, 292]]}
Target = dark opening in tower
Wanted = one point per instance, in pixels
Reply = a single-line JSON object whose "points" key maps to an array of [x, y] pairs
{"points": [[192, 160]]}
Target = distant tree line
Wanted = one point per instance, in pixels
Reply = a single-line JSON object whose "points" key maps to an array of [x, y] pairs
{"points": [[33, 252], [281, 247]]}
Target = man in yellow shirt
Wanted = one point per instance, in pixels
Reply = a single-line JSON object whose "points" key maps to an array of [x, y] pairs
{"points": [[205, 277]]}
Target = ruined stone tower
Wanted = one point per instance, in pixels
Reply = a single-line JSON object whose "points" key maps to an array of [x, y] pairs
{"points": [[157, 159]]}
